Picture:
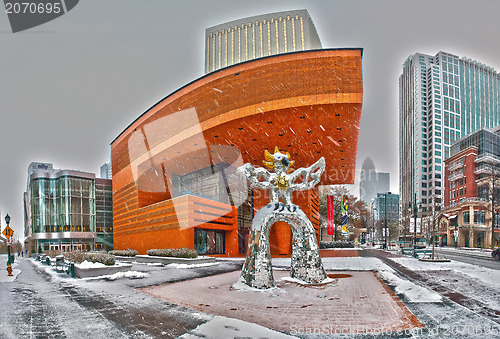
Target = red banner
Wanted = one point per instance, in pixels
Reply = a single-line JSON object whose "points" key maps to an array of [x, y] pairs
{"points": [[330, 222]]}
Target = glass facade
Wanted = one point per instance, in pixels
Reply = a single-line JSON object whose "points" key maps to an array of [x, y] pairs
{"points": [[214, 183], [104, 214], [65, 204], [486, 141], [385, 201], [67, 210]]}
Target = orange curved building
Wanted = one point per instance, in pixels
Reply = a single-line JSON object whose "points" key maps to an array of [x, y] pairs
{"points": [[173, 168]]}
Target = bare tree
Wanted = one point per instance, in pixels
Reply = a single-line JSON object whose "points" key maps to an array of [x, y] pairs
{"points": [[432, 216]]}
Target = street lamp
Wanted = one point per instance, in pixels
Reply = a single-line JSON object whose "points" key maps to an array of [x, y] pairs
{"points": [[7, 220], [373, 224]]}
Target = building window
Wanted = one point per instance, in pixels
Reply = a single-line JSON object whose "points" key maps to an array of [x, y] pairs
{"points": [[208, 241], [479, 217], [466, 217]]}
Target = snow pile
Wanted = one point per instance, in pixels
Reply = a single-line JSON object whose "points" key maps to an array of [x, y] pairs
{"points": [[301, 282], [241, 286], [120, 275], [412, 291], [192, 265], [89, 264], [222, 327]]}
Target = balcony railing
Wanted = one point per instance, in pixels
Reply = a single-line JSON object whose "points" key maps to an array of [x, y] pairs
{"points": [[456, 176], [489, 158], [487, 169], [455, 166], [465, 200]]}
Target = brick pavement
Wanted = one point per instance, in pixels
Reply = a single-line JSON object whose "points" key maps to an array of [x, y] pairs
{"points": [[355, 302]]}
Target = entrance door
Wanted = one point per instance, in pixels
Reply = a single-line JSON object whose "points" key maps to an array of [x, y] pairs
{"points": [[208, 241]]}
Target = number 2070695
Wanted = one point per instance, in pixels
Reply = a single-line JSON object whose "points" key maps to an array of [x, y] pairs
{"points": [[32, 8]]}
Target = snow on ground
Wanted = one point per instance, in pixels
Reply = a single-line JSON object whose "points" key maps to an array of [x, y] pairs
{"points": [[412, 291], [463, 278], [485, 275], [3, 269], [119, 275], [482, 251], [89, 264], [192, 265], [222, 327]]}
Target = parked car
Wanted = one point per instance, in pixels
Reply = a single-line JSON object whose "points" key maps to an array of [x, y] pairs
{"points": [[495, 254]]}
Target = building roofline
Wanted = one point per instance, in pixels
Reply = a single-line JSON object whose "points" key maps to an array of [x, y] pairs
{"points": [[461, 153], [229, 67], [61, 173]]}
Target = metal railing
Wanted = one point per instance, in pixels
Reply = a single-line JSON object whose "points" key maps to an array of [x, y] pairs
{"points": [[487, 157], [465, 200]]}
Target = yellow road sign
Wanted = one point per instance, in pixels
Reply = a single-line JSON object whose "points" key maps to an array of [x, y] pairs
{"points": [[8, 232]]}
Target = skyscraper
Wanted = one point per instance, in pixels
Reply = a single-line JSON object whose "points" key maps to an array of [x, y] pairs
{"points": [[441, 99], [372, 182], [106, 171], [259, 36]]}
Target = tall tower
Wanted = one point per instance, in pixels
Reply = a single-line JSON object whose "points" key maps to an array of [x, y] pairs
{"points": [[259, 36], [441, 99], [372, 182]]}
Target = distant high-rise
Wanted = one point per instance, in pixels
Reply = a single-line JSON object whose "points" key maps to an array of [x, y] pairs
{"points": [[259, 36], [372, 182], [106, 171], [441, 99]]}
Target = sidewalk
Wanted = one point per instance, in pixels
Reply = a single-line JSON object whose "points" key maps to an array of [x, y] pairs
{"points": [[354, 302]]}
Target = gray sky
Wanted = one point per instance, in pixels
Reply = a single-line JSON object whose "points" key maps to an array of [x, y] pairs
{"points": [[70, 86]]}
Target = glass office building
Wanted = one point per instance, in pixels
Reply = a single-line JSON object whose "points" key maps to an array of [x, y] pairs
{"points": [[441, 99], [67, 210]]}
